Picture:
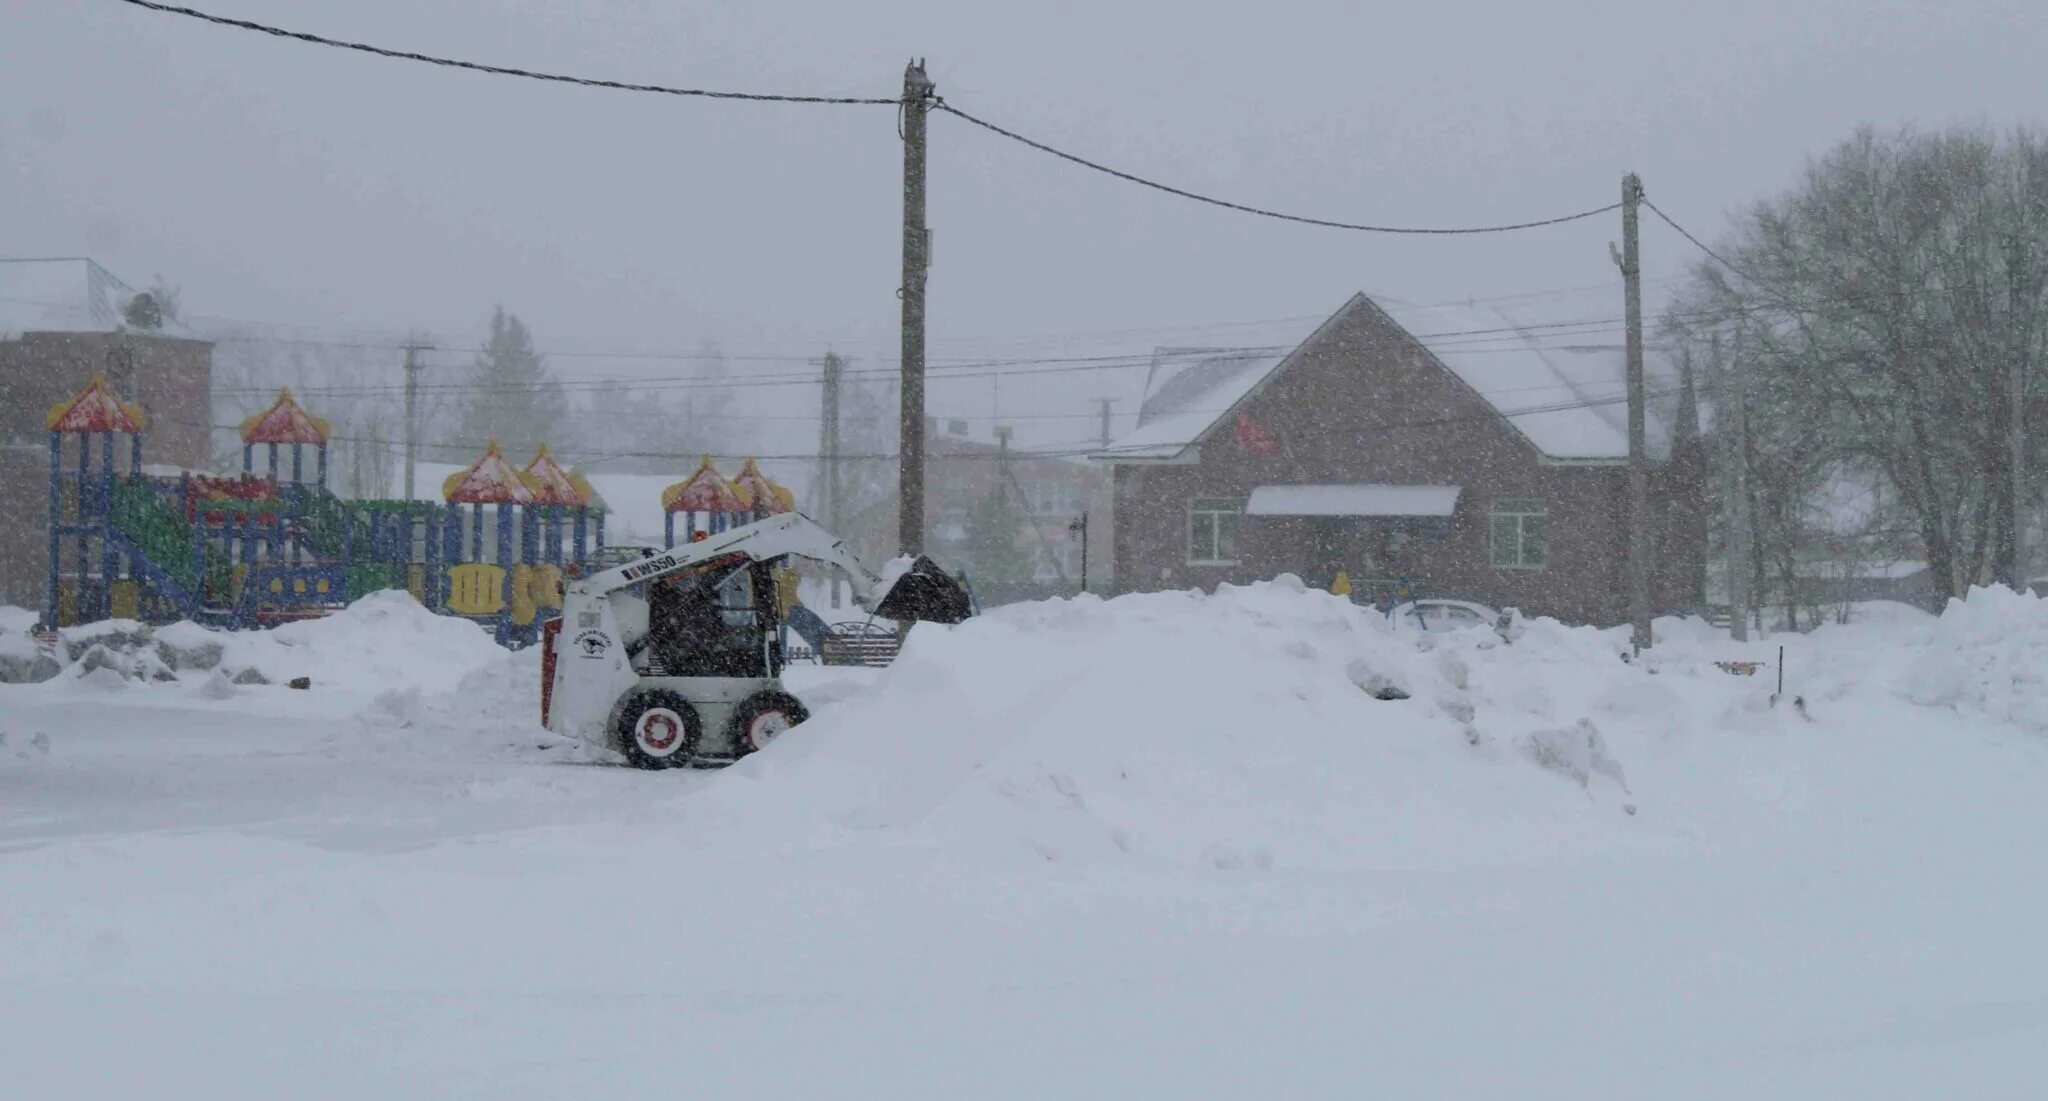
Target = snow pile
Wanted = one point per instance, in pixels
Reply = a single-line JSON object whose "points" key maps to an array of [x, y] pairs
{"points": [[1258, 727], [16, 621], [1986, 656], [22, 661], [383, 641]]}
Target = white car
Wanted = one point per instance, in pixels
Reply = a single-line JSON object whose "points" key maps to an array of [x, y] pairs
{"points": [[1442, 615]]}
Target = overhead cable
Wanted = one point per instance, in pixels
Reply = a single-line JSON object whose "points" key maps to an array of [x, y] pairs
{"points": [[495, 70], [941, 105]]}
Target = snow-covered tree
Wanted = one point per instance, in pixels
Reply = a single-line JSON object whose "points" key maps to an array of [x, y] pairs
{"points": [[512, 397]]}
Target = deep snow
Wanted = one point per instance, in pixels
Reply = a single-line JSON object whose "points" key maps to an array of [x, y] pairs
{"points": [[1164, 845]]}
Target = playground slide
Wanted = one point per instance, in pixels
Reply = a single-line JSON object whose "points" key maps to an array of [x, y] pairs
{"points": [[807, 626]]}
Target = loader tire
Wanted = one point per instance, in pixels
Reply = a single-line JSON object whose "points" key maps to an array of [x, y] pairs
{"points": [[762, 718], [658, 729]]}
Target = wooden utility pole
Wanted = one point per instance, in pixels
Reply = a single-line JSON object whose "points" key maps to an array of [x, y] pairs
{"points": [[1638, 457], [828, 454], [1740, 550], [1080, 527], [1104, 403], [2016, 431], [917, 97], [412, 411]]}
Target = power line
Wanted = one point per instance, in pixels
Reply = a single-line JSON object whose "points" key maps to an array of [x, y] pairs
{"points": [[942, 105], [1474, 343], [495, 70], [1697, 243]]}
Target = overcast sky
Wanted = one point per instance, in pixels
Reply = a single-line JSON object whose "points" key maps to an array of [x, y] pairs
{"points": [[285, 183]]}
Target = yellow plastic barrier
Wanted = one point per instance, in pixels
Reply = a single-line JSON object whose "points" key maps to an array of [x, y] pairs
{"points": [[786, 585], [476, 588], [124, 600], [523, 610], [544, 587]]}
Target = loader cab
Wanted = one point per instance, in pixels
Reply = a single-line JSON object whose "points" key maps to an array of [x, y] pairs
{"points": [[715, 621]]}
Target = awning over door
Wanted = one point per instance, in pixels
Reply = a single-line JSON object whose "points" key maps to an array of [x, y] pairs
{"points": [[1352, 500]]}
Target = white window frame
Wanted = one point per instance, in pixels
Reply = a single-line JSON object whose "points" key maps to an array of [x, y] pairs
{"points": [[1210, 508], [1520, 512]]}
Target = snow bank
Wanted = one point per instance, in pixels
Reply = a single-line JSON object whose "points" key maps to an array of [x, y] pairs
{"points": [[383, 641], [1263, 726], [1987, 655], [17, 621]]}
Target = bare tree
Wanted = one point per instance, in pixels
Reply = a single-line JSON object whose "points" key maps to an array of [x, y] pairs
{"points": [[1891, 303]]}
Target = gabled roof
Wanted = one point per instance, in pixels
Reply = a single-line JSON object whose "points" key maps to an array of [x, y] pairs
{"points": [[286, 421], [705, 490], [759, 494], [551, 484], [490, 480], [96, 409], [1566, 401]]}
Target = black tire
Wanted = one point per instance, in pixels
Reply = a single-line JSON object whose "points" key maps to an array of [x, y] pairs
{"points": [[763, 717], [658, 729]]}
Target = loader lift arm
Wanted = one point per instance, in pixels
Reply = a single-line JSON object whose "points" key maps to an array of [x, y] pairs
{"points": [[918, 591]]}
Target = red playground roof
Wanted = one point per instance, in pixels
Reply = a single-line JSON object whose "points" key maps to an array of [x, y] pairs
{"points": [[284, 422], [553, 485], [705, 491], [96, 409], [488, 481], [759, 493]]}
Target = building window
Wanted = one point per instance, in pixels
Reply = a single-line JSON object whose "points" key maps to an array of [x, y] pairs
{"points": [[1520, 535], [1212, 532]]}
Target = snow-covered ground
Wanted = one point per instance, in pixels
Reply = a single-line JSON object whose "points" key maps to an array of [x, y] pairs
{"points": [[1245, 845]]}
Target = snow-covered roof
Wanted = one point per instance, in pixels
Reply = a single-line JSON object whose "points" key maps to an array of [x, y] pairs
{"points": [[1569, 400], [631, 502], [1352, 500], [1566, 399], [66, 295]]}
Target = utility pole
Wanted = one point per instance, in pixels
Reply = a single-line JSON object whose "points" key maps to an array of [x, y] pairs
{"points": [[412, 411], [1104, 403], [1638, 457], [2016, 431], [1080, 528], [1740, 550], [917, 97], [828, 451]]}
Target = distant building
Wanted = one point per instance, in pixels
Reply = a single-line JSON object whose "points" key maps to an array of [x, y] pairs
{"points": [[168, 375], [1492, 471], [1045, 495]]}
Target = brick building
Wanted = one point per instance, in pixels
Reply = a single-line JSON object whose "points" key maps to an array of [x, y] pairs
{"points": [[1471, 462]]}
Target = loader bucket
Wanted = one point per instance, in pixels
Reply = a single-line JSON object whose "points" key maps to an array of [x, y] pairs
{"points": [[925, 593]]}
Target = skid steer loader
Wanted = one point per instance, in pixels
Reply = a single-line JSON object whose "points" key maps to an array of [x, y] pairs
{"points": [[676, 660]]}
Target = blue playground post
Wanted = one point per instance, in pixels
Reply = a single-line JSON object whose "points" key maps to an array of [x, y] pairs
{"points": [[56, 511], [84, 496], [504, 556]]}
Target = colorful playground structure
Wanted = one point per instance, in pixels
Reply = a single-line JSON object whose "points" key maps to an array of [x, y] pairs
{"points": [[258, 548]]}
